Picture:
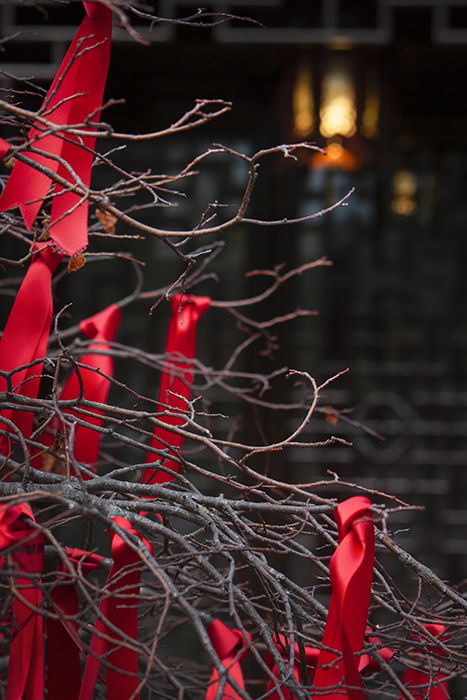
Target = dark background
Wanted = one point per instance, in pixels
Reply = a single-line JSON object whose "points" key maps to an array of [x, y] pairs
{"points": [[392, 307]]}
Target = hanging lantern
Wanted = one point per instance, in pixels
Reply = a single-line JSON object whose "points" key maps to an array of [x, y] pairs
{"points": [[335, 116], [338, 112]]}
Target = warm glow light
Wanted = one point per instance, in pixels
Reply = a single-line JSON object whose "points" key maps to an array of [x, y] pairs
{"points": [[338, 114], [405, 183], [303, 104], [403, 206], [370, 116], [405, 187], [337, 157], [335, 151]]}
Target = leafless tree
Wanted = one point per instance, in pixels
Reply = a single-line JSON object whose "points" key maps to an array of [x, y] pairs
{"points": [[222, 531]]}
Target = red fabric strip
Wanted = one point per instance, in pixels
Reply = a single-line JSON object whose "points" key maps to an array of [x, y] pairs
{"points": [[26, 334], [120, 609], [435, 687], [4, 148], [231, 647], [26, 666], [367, 663], [81, 77], [102, 327], [351, 573], [175, 387], [282, 646], [63, 644], [431, 687]]}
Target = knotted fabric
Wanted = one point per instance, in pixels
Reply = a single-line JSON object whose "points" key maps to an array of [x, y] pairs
{"points": [[423, 684], [102, 328], [75, 94], [177, 376], [351, 573], [63, 643], [26, 665], [368, 664], [26, 335], [230, 646], [118, 621], [311, 658]]}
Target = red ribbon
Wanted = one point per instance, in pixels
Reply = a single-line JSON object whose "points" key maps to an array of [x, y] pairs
{"points": [[26, 666], [102, 328], [76, 92], [436, 688], [351, 573], [430, 688], [368, 663], [26, 334], [4, 148], [311, 658], [230, 646], [120, 609], [175, 387], [63, 644]]}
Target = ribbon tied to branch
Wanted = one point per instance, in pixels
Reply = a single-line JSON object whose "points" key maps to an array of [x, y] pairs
{"points": [[303, 659], [63, 642], [26, 336], [116, 630], [175, 386], [74, 98], [351, 573], [90, 381], [26, 666], [230, 646], [427, 684]]}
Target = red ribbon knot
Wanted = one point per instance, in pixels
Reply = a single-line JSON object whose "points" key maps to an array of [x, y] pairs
{"points": [[351, 573], [230, 646], [177, 376]]}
